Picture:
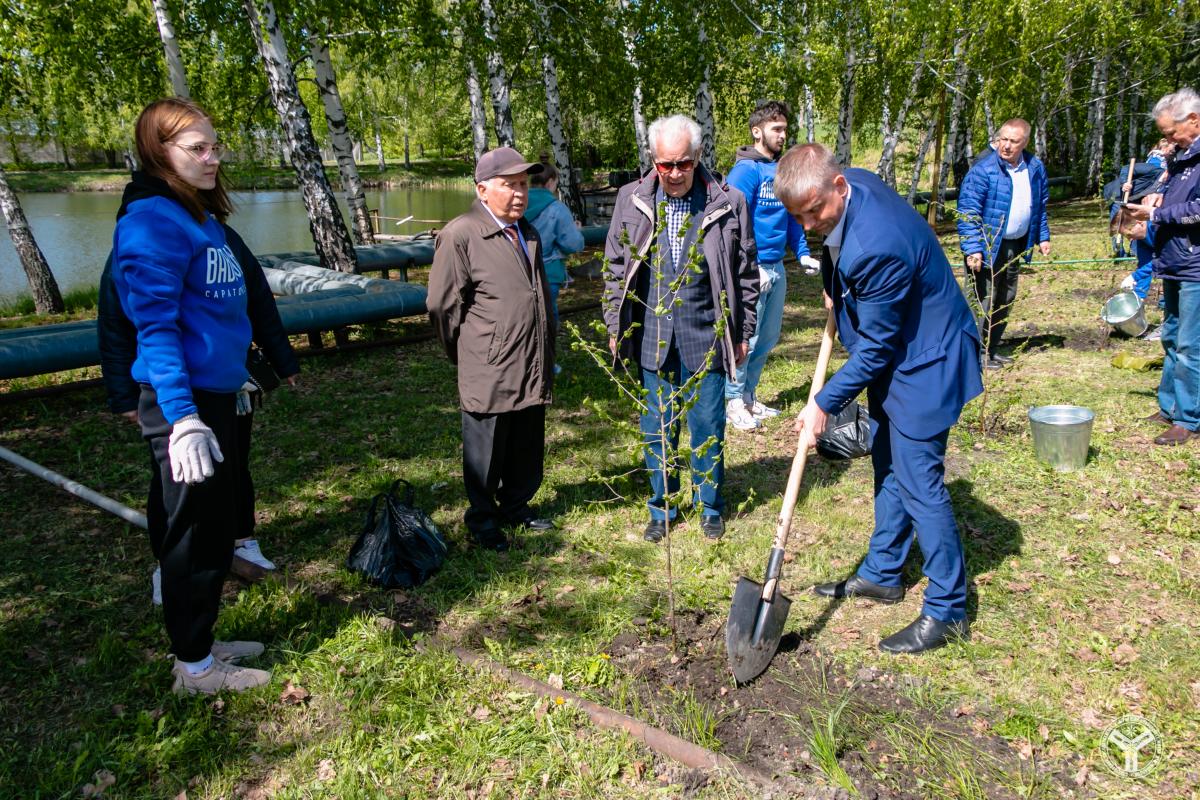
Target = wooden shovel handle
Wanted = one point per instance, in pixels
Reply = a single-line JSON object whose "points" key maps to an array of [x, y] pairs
{"points": [[801, 457], [1129, 179]]}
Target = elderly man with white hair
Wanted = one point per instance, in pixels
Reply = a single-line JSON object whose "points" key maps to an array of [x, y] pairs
{"points": [[490, 303], [1176, 217], [680, 294]]}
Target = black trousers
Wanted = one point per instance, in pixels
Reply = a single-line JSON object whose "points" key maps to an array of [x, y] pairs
{"points": [[996, 290], [503, 458], [193, 528]]}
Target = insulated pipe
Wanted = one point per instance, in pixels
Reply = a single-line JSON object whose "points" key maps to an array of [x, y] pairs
{"points": [[79, 490]]}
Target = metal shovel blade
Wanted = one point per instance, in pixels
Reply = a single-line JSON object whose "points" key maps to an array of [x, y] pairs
{"points": [[750, 654]]}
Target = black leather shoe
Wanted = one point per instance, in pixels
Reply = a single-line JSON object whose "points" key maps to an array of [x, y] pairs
{"points": [[656, 529], [534, 523], [991, 362], [492, 540], [854, 586], [712, 526], [925, 633], [1004, 360]]}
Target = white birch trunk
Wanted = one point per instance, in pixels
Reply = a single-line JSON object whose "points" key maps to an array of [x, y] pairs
{"points": [[1068, 121], [339, 136], [497, 78], [642, 140], [1135, 103], [166, 32], [1096, 121], [1118, 118], [845, 131], [704, 105], [329, 233], [961, 77], [988, 119], [559, 145], [894, 129], [479, 136], [1039, 134], [919, 163], [379, 156], [46, 297]]}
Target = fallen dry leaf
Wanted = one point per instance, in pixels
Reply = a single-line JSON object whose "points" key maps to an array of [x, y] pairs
{"points": [[1025, 750], [103, 780], [325, 770], [1090, 718], [964, 710], [1044, 732], [293, 695], [564, 590], [1082, 775], [481, 713], [1114, 559], [1124, 654], [1086, 654], [555, 680]]}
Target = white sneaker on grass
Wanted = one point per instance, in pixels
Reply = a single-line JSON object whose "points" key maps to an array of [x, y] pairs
{"points": [[218, 676], [156, 587], [249, 551], [737, 415], [762, 412]]}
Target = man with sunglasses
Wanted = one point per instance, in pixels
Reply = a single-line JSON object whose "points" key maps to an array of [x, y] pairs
{"points": [[679, 304]]}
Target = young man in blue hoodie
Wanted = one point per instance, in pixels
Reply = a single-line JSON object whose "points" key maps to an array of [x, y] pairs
{"points": [[753, 174]]}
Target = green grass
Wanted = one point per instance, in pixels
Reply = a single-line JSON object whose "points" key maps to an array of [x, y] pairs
{"points": [[19, 312], [1083, 596]]}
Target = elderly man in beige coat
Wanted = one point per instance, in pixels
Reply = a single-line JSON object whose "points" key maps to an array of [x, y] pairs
{"points": [[490, 303]]}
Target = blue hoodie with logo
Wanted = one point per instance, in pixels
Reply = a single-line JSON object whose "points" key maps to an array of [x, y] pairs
{"points": [[183, 289], [753, 174]]}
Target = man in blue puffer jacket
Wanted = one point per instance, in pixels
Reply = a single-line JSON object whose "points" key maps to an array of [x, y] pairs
{"points": [[1001, 216], [1176, 217]]}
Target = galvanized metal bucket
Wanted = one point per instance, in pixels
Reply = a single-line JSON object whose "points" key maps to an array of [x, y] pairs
{"points": [[1061, 435], [1126, 313]]}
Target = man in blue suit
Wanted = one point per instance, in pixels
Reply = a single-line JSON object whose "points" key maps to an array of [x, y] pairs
{"points": [[914, 347]]}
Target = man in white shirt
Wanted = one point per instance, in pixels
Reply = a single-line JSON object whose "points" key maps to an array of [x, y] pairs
{"points": [[1001, 217]]}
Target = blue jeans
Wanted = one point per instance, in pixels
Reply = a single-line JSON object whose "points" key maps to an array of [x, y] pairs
{"points": [[1144, 274], [745, 379], [911, 496], [555, 288], [1179, 390], [705, 420]]}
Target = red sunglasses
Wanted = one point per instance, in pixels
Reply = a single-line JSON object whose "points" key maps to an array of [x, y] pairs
{"points": [[683, 165]]}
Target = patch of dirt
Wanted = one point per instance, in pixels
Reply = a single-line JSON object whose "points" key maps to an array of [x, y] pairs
{"points": [[883, 739]]}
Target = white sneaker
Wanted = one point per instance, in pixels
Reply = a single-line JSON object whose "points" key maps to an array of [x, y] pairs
{"points": [[218, 676], [249, 551], [156, 586], [761, 412], [737, 415]]}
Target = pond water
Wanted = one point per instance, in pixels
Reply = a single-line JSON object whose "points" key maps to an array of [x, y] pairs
{"points": [[74, 229]]}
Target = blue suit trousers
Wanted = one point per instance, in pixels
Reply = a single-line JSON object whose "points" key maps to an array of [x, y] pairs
{"points": [[910, 493]]}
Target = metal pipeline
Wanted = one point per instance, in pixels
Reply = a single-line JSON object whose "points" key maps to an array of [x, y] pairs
{"points": [[74, 487]]}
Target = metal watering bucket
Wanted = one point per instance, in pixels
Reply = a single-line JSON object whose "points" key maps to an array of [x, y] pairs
{"points": [[1061, 435], [1126, 313]]}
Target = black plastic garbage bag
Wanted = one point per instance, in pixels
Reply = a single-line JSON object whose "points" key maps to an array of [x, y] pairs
{"points": [[846, 436], [399, 546]]}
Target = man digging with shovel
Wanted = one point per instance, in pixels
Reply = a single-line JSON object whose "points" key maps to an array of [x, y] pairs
{"points": [[914, 346]]}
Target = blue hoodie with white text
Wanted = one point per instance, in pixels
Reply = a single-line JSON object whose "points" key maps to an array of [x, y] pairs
{"points": [[753, 174]]}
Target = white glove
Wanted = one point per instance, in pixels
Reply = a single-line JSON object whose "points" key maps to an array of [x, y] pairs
{"points": [[1128, 283], [811, 265], [245, 398], [764, 281], [192, 449]]}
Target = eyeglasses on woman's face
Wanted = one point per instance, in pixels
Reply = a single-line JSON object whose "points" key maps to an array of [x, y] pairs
{"points": [[202, 151]]}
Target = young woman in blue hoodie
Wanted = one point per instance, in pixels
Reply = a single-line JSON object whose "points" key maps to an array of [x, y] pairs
{"points": [[183, 289]]}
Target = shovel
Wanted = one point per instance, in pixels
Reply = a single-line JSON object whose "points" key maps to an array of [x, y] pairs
{"points": [[759, 610]]}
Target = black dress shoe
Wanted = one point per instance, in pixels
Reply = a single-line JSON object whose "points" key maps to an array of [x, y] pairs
{"points": [[492, 540], [534, 523], [712, 526], [991, 362], [854, 586], [925, 633], [1002, 359], [656, 529]]}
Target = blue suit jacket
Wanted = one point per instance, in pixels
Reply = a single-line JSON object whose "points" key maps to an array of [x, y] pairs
{"points": [[912, 340]]}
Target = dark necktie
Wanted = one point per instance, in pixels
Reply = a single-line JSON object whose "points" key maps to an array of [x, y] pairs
{"points": [[511, 232]]}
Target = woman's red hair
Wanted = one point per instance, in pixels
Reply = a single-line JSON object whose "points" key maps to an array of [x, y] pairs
{"points": [[159, 123]]}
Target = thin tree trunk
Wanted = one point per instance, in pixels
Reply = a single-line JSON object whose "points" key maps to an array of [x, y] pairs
{"points": [[961, 77], [640, 136], [1096, 122], [379, 157], [46, 297], [988, 119], [704, 102], [806, 116], [166, 32], [559, 144], [407, 156], [1118, 118], [1039, 135], [339, 136], [497, 78], [935, 198], [479, 136], [1135, 103], [130, 161], [1068, 122], [919, 162], [893, 132], [845, 131], [330, 236]]}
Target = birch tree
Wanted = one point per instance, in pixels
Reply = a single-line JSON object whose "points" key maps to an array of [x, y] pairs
{"points": [[559, 145], [166, 32], [46, 297], [704, 103], [498, 86], [1096, 108], [329, 233], [893, 127], [339, 137], [842, 151], [639, 117], [962, 73], [479, 136]]}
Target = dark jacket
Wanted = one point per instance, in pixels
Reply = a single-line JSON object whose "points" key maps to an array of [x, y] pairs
{"points": [[493, 320], [118, 336], [729, 253], [1177, 220], [983, 201], [913, 342]]}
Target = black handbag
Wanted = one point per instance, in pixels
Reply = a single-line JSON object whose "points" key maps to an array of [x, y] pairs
{"points": [[399, 546], [846, 436], [261, 371]]}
